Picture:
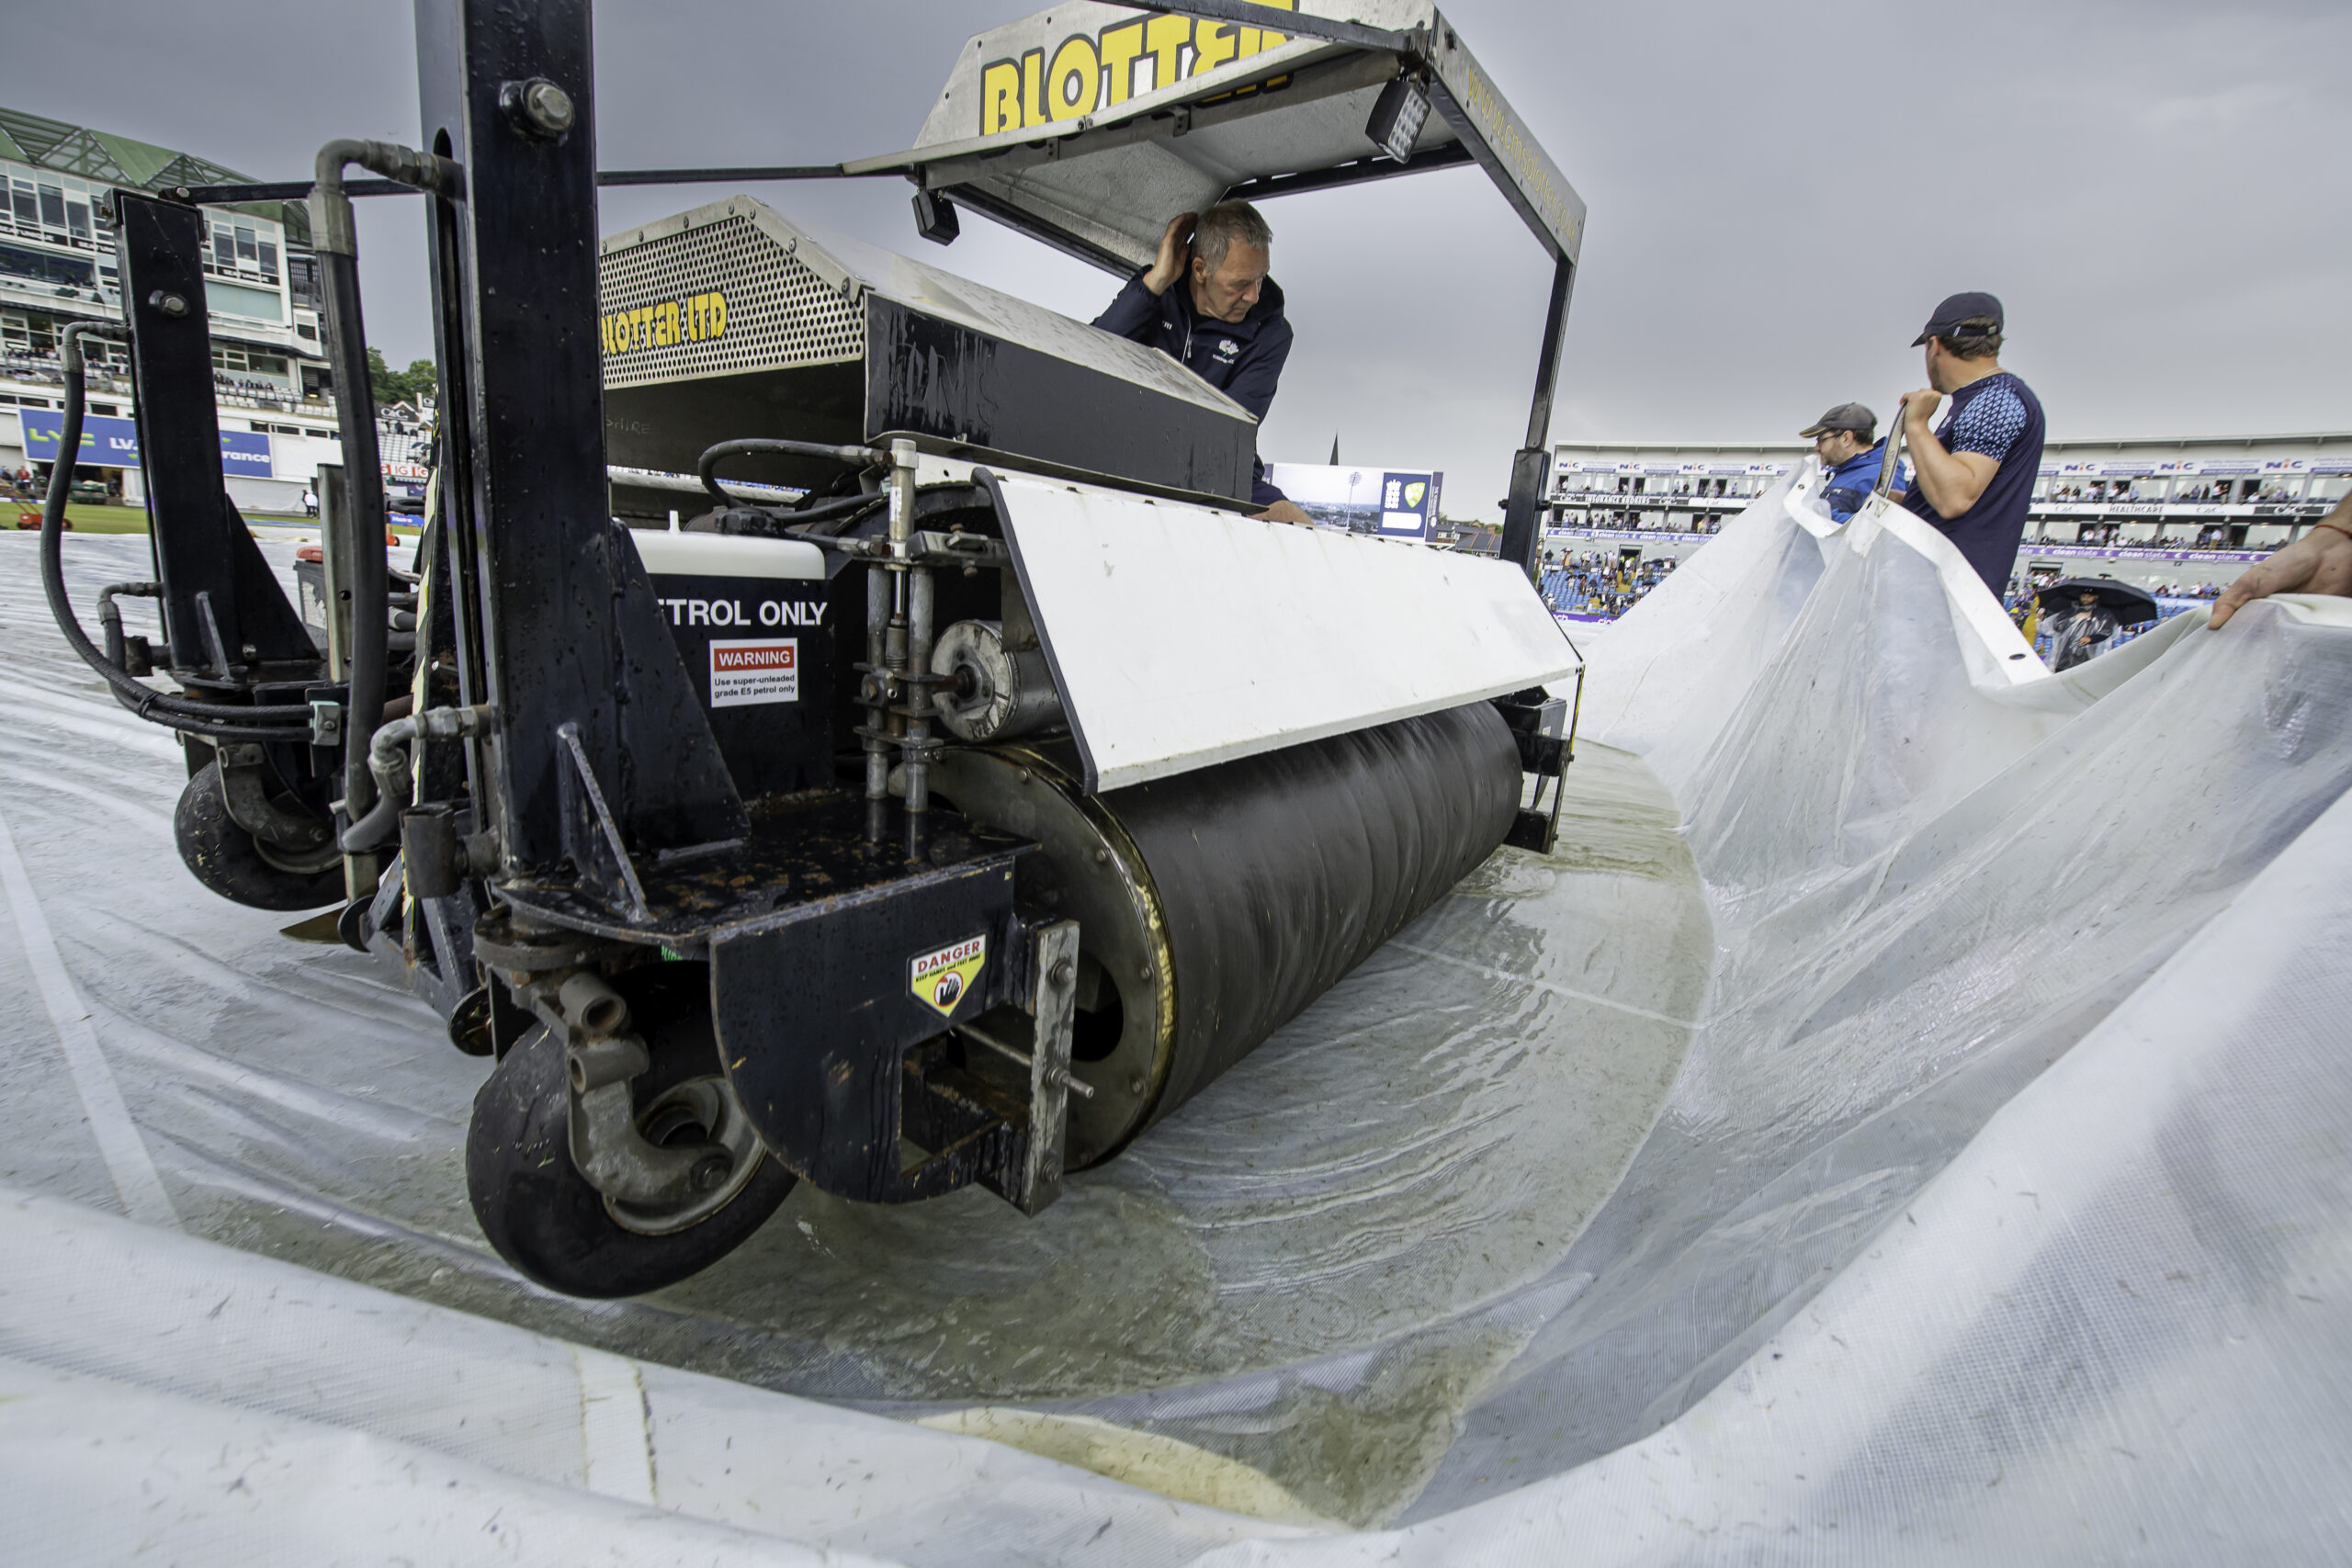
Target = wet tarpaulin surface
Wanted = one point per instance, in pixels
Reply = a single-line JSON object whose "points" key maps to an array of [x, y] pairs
{"points": [[1960, 1173], [1311, 1270]]}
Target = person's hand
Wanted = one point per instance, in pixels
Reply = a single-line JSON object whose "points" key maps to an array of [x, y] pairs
{"points": [[2319, 562], [1283, 512], [1175, 250], [1920, 407]]}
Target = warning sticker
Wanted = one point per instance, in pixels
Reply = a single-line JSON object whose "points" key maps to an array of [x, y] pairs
{"points": [[766, 670], [940, 979]]}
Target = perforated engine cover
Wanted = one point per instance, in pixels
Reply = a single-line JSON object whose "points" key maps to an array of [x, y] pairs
{"points": [[780, 313], [730, 320]]}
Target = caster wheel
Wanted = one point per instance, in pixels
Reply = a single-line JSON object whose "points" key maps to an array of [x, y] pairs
{"points": [[541, 1213], [471, 1026], [224, 858]]}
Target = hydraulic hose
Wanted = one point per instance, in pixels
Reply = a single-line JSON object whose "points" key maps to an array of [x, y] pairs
{"points": [[264, 724], [335, 242], [825, 511], [851, 457], [388, 762], [795, 524], [110, 618]]}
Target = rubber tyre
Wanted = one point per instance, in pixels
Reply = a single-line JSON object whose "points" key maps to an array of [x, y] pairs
{"points": [[222, 855], [541, 1214]]}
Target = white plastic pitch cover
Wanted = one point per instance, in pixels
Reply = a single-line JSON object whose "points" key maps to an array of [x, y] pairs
{"points": [[1181, 636]]}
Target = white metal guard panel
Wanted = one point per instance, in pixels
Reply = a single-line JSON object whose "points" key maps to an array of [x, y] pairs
{"points": [[1181, 636]]}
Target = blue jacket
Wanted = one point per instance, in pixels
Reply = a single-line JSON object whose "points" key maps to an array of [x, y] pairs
{"points": [[1849, 483], [1243, 359]]}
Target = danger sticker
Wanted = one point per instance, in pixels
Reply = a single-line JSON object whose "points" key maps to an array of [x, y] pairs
{"points": [[940, 979], [766, 670]]}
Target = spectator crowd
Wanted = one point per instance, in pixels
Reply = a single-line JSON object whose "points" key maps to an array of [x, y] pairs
{"points": [[1599, 583]]}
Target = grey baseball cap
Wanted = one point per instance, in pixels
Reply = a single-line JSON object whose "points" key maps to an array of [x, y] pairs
{"points": [[1945, 323], [1844, 416]]}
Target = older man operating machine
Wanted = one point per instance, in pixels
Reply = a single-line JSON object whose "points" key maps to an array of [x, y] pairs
{"points": [[1208, 303]]}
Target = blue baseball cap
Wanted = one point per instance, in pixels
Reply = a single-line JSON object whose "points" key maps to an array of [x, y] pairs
{"points": [[1945, 323]]}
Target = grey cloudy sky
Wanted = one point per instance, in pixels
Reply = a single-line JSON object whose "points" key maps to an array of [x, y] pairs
{"points": [[2159, 191]]}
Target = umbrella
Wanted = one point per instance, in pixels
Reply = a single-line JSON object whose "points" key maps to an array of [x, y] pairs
{"points": [[2129, 605]]}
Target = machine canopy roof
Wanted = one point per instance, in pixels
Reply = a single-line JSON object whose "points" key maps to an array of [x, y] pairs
{"points": [[1089, 125]]}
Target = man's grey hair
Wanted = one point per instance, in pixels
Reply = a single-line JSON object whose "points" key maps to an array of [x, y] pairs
{"points": [[1976, 338], [1221, 225]]}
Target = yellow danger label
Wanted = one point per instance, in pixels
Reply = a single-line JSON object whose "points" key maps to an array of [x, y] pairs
{"points": [[940, 979]]}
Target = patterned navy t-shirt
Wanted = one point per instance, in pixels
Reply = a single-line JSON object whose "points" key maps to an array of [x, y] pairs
{"points": [[2000, 418]]}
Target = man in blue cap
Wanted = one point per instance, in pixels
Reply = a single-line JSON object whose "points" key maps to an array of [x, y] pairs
{"points": [[1845, 441], [1974, 474]]}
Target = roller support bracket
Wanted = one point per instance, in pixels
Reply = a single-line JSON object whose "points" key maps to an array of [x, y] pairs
{"points": [[1017, 1154], [841, 1028], [1541, 728], [1542, 755], [1053, 1010]]}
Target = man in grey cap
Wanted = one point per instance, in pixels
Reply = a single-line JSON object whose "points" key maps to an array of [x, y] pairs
{"points": [[1850, 457], [1976, 470]]}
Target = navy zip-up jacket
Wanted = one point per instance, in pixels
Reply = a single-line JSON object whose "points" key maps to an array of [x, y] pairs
{"points": [[1850, 482], [1242, 359]]}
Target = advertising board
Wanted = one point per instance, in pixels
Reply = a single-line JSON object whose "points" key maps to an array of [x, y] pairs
{"points": [[114, 444], [1392, 502]]}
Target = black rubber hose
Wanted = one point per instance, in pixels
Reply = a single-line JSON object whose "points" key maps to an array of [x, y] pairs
{"points": [[851, 457], [195, 718], [789, 523], [825, 511]]}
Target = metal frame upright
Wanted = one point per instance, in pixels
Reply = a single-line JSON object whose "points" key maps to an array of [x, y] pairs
{"points": [[554, 603]]}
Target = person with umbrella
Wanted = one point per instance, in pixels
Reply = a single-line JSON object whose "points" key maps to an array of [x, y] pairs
{"points": [[2085, 614]]}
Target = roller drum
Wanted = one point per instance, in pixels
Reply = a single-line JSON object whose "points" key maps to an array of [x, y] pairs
{"points": [[1280, 873], [1215, 906]]}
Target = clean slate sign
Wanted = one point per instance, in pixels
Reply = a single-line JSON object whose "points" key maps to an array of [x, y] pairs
{"points": [[114, 444]]}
